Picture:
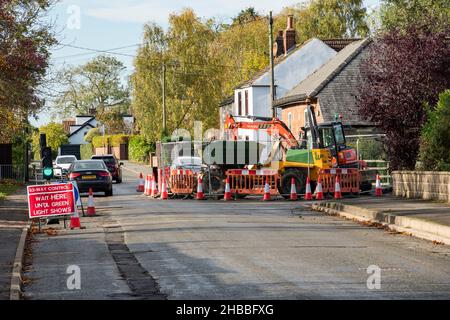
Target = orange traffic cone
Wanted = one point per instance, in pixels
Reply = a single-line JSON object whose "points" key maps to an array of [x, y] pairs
{"points": [[154, 189], [200, 194], [319, 190], [227, 195], [140, 187], [308, 194], [337, 189], [148, 185], [164, 195], [75, 220], [91, 206], [294, 195], [145, 185], [266, 196], [378, 189]]}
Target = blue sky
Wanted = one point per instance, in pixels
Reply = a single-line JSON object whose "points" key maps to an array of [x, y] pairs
{"points": [[108, 24]]}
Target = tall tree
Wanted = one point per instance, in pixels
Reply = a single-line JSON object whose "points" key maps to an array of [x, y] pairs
{"points": [[403, 71], [96, 85], [328, 19], [192, 76], [24, 53], [400, 14]]}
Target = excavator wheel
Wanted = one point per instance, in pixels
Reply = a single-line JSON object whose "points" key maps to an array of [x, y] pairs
{"points": [[285, 183], [217, 184]]}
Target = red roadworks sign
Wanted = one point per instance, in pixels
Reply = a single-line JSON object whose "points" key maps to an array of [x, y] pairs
{"points": [[51, 200]]}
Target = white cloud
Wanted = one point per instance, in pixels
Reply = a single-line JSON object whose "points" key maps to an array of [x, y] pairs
{"points": [[140, 11]]}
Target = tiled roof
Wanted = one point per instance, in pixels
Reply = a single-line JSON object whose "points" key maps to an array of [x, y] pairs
{"points": [[334, 84], [339, 44]]}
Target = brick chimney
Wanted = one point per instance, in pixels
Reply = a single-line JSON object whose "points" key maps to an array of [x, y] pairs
{"points": [[278, 47], [289, 35]]}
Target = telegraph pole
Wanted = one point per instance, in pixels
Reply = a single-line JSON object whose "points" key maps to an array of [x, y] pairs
{"points": [[272, 75], [164, 98]]}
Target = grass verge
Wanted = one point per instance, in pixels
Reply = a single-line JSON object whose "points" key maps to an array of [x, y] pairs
{"points": [[8, 187]]}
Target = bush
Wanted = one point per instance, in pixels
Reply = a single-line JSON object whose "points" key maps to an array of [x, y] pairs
{"points": [[101, 141], [118, 139], [372, 149], [435, 138], [86, 151], [139, 149]]}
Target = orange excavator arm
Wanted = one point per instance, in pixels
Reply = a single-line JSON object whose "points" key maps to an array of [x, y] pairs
{"points": [[273, 126]]}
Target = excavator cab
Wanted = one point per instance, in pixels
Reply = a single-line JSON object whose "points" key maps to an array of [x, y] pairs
{"points": [[329, 136]]}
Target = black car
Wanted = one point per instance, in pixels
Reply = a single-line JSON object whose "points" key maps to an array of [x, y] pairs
{"points": [[91, 174], [114, 166]]}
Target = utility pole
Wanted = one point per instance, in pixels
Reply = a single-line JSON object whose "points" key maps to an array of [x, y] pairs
{"points": [[25, 147], [272, 75], [164, 98]]}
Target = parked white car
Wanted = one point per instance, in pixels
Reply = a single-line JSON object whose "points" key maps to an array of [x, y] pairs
{"points": [[62, 164], [192, 163]]}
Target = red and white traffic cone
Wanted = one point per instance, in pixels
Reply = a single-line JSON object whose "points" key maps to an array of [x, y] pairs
{"points": [[337, 189], [75, 220], [154, 189], [266, 196], [91, 207], [294, 195], [378, 189], [227, 195], [200, 194], [319, 190], [140, 187], [308, 194], [146, 185], [164, 195]]}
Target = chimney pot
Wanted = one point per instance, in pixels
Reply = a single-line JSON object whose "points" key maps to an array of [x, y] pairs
{"points": [[289, 35]]}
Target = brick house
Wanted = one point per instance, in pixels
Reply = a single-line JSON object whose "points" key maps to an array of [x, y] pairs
{"points": [[293, 63], [332, 90]]}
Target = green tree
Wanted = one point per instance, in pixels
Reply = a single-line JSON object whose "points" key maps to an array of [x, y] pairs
{"points": [[327, 19], [56, 137], [246, 16], [192, 74], [435, 139], [400, 14], [96, 86]]}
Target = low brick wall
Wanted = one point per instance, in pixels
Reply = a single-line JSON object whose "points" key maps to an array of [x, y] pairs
{"points": [[421, 185]]}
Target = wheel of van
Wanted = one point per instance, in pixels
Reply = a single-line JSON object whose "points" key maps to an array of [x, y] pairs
{"points": [[300, 182]]}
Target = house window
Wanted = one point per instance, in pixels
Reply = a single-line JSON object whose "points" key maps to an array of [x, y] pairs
{"points": [[246, 102], [289, 121], [239, 103]]}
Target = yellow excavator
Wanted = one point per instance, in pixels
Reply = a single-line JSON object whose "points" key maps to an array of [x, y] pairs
{"points": [[321, 146]]}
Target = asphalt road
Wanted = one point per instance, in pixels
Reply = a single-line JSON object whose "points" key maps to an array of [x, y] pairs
{"points": [[141, 248]]}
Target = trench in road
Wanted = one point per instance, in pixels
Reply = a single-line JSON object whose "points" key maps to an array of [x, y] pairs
{"points": [[140, 282]]}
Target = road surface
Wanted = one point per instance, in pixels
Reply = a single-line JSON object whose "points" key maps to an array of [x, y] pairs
{"points": [[139, 248]]}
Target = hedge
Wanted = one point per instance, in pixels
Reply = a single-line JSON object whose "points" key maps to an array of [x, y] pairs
{"points": [[86, 151], [118, 139], [110, 140], [139, 148], [100, 141]]}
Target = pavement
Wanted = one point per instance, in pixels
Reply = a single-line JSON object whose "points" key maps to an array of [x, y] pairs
{"points": [[141, 248], [13, 218], [421, 218]]}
